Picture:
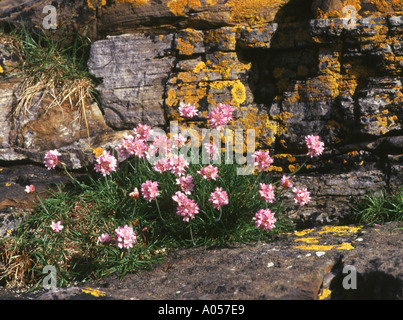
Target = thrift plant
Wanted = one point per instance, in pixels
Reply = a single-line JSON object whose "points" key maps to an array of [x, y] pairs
{"points": [[145, 197]]}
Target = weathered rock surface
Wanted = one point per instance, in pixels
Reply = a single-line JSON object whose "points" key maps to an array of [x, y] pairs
{"points": [[305, 265]]}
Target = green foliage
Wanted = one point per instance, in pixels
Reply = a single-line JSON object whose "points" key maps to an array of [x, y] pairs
{"points": [[379, 207]]}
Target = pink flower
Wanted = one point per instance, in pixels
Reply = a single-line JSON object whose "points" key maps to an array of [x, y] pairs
{"points": [[262, 160], [52, 159], [162, 165], [177, 140], [187, 110], [141, 132], [212, 150], [265, 219], [220, 116], [134, 194], [56, 226], [131, 146], [161, 145], [315, 147], [186, 184], [187, 208], [125, 237], [301, 196], [106, 163], [286, 182], [178, 164], [266, 192], [218, 198], [30, 189], [209, 172], [149, 189], [104, 238]]}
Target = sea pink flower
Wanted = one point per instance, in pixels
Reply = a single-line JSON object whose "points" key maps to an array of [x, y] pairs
{"points": [[125, 237], [186, 183], [30, 189], [187, 208], [220, 116], [286, 182], [106, 163], [262, 160], [266, 192], [209, 172], [161, 144], [301, 196], [104, 238], [265, 219], [162, 165], [178, 164], [134, 194], [315, 147], [56, 226], [212, 150], [141, 132], [149, 189], [218, 198], [52, 159], [177, 140], [187, 110]]}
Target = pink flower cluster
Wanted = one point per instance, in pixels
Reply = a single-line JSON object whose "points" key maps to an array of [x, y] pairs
{"points": [[186, 183], [301, 196], [315, 147], [187, 110], [218, 198], [208, 172], [134, 194], [105, 163], [212, 150], [266, 192], [56, 226], [286, 182], [187, 208], [141, 132], [220, 116], [125, 237], [52, 159], [149, 189], [131, 146], [265, 219], [262, 160], [30, 189]]}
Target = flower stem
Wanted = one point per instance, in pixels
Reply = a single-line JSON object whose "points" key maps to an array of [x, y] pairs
{"points": [[191, 234], [159, 211], [219, 217]]}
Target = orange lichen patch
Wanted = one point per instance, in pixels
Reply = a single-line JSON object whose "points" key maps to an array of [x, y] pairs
{"points": [[96, 4], [324, 294], [95, 292], [254, 11], [187, 39], [286, 156], [133, 2], [177, 7]]}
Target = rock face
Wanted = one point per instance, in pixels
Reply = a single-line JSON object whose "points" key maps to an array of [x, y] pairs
{"points": [[291, 68], [344, 262]]}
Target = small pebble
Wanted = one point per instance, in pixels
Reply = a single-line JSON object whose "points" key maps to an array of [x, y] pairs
{"points": [[320, 253], [270, 264]]}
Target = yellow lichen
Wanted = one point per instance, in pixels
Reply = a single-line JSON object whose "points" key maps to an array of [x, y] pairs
{"points": [[96, 4], [177, 7], [238, 93], [95, 292], [324, 294], [303, 232], [339, 229], [308, 239]]}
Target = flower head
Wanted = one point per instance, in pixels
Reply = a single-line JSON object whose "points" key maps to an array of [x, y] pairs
{"points": [[220, 116], [178, 164], [187, 110], [149, 189], [266, 192], [30, 189], [56, 226], [177, 140], [286, 182], [186, 183], [125, 237], [212, 150], [301, 196], [218, 198], [162, 165], [142, 131], [103, 238], [134, 194], [209, 172], [106, 163], [262, 160], [52, 159], [315, 147], [265, 219], [187, 208]]}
